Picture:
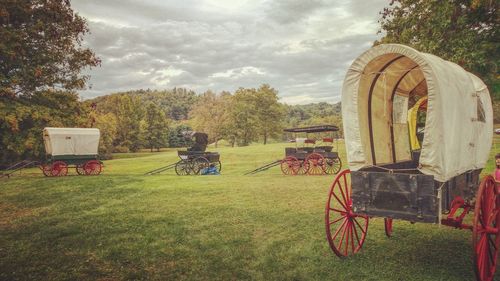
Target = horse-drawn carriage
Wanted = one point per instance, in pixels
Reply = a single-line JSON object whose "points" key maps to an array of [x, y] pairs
{"points": [[309, 158], [71, 147], [418, 131], [195, 160], [311, 155]]}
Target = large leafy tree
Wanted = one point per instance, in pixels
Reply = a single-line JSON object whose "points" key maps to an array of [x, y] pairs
{"points": [[22, 121], [463, 31], [41, 47], [156, 131], [41, 57], [243, 124], [211, 115], [270, 113], [129, 112]]}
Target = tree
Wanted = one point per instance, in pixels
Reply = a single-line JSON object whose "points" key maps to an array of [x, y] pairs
{"points": [[106, 123], [270, 113], [156, 131], [23, 119], [41, 47], [176, 137], [463, 31], [128, 111], [211, 115], [243, 118]]}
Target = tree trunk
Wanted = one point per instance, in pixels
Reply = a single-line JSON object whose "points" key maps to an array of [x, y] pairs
{"points": [[265, 138]]}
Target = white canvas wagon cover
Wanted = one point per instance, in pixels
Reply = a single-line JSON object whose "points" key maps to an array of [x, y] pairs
{"points": [[71, 141], [375, 97]]}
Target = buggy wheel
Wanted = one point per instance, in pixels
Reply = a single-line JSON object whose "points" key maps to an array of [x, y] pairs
{"points": [[183, 168], [315, 164], [290, 165], [388, 226], [92, 168], [333, 165], [59, 169], [79, 169], [46, 169], [345, 230], [199, 164], [485, 231], [302, 170]]}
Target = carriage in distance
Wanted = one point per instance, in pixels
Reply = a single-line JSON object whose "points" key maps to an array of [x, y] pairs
{"points": [[312, 156], [418, 131], [195, 160], [71, 148]]}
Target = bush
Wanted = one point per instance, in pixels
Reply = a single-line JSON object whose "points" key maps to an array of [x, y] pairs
{"points": [[121, 149]]}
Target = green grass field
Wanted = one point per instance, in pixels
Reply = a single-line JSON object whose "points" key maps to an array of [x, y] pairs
{"points": [[125, 225]]}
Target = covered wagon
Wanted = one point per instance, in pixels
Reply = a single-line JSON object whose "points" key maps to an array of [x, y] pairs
{"points": [[71, 147], [418, 131]]}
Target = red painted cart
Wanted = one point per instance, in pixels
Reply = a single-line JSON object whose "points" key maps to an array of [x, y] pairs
{"points": [[418, 132], [310, 156]]}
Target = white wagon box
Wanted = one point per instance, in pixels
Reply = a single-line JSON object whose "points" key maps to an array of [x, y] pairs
{"points": [[76, 147]]}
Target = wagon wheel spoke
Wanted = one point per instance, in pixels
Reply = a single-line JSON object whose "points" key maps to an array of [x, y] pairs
{"points": [[342, 193], [340, 202], [343, 234], [337, 220], [338, 230]]}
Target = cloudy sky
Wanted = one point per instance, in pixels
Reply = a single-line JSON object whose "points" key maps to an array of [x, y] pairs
{"points": [[301, 48]]}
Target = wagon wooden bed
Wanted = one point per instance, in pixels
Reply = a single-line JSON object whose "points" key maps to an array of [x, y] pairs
{"points": [[418, 131]]}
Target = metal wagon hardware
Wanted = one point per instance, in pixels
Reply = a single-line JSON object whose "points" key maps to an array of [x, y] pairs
{"points": [[195, 160], [312, 156], [71, 148], [418, 132]]}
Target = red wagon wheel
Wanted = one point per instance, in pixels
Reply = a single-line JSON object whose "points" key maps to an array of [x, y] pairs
{"points": [[46, 169], [345, 230], [388, 226], [485, 232], [315, 164], [92, 168], [59, 169], [290, 165]]}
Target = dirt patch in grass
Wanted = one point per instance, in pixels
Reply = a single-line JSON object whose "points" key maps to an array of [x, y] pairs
{"points": [[10, 214]]}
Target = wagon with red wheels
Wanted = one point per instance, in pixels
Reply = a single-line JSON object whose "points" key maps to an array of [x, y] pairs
{"points": [[311, 155], [418, 131], [68, 148]]}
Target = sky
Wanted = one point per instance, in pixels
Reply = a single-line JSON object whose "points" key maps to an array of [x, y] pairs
{"points": [[301, 48]]}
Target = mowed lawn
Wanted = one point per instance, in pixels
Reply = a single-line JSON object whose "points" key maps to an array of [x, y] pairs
{"points": [[123, 225]]}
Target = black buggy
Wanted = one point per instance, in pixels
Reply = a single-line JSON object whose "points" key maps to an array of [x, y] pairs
{"points": [[195, 160]]}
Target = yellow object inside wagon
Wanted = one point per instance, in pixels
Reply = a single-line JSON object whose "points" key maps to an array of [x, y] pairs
{"points": [[412, 123]]}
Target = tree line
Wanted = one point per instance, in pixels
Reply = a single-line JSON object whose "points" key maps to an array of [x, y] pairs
{"points": [[155, 119]]}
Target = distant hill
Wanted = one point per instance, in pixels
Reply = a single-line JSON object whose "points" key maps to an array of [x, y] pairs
{"points": [[176, 103]]}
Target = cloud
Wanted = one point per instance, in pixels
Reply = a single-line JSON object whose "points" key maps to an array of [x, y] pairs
{"points": [[301, 50]]}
